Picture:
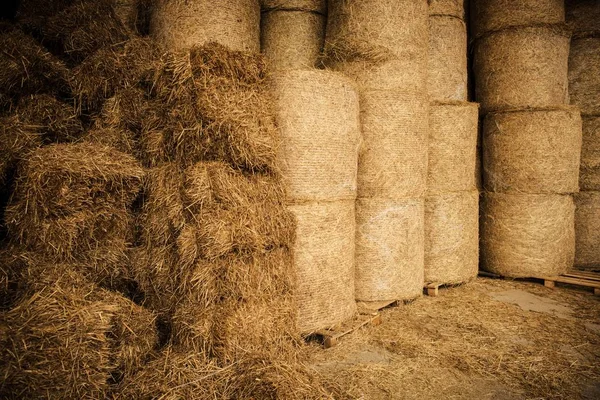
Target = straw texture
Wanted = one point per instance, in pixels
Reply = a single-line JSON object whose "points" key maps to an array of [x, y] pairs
{"points": [[589, 173], [525, 235], [584, 74], [317, 113], [317, 6], [522, 67], [393, 157], [447, 71], [324, 262], [452, 237], [180, 24], [452, 8], [587, 230], [292, 39], [583, 16], [389, 249], [492, 15], [452, 147], [532, 151]]}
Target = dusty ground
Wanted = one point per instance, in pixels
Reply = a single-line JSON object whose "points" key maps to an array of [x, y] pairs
{"points": [[490, 339]]}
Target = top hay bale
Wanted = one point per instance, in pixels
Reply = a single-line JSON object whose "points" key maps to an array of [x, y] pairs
{"points": [[451, 8], [493, 15], [317, 6], [183, 24], [583, 16]]}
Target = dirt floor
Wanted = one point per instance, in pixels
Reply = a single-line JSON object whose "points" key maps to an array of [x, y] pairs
{"points": [[489, 339]]}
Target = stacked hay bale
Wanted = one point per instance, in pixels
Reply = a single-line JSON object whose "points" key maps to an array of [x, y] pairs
{"points": [[292, 33], [318, 118], [584, 90], [531, 138], [382, 45], [452, 202]]}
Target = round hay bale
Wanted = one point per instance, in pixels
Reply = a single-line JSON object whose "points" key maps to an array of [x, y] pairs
{"points": [[589, 173], [532, 151], [318, 117], [393, 157], [493, 15], [522, 67], [389, 249], [316, 6], [452, 237], [324, 264], [527, 235], [451, 8], [452, 147], [292, 39], [584, 74], [183, 24], [447, 71], [377, 30], [587, 230], [583, 16]]}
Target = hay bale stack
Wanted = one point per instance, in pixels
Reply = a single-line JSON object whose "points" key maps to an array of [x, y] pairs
{"points": [[532, 151], [527, 235], [318, 117], [450, 8], [452, 237], [494, 15], [292, 39], [589, 173], [584, 74], [583, 16], [316, 6], [522, 68], [183, 24], [587, 230], [447, 70], [389, 249]]}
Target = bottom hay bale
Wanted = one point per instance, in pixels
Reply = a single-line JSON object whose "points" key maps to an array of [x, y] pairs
{"points": [[589, 172], [389, 249], [527, 235], [452, 237], [324, 263], [587, 230]]}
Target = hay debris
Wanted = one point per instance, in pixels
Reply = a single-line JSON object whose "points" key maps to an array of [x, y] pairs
{"points": [[184, 24], [54, 120], [315, 6], [317, 113], [292, 39], [452, 147], [532, 151], [389, 249], [583, 16], [587, 230], [493, 15], [451, 8], [589, 173], [522, 67], [527, 235], [452, 237], [447, 70], [584, 75]]}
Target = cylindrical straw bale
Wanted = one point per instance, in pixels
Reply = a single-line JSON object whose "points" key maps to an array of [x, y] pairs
{"points": [[393, 158], [522, 67], [389, 249], [587, 230], [318, 117], [324, 263], [292, 39], [527, 235], [452, 147], [589, 173], [377, 30], [493, 15], [181, 24], [447, 70], [317, 6], [452, 237], [532, 151], [584, 74], [451, 8], [583, 16]]}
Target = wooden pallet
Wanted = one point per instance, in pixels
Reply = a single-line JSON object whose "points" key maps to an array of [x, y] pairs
{"points": [[331, 337], [577, 278], [432, 289]]}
